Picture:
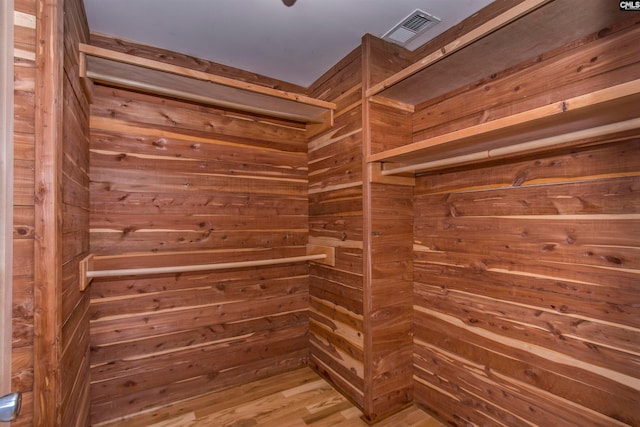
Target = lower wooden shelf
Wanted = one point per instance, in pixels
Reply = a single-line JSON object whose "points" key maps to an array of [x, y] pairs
{"points": [[571, 122]]}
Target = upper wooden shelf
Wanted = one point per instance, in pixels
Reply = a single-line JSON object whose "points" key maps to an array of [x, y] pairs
{"points": [[600, 114], [112, 68], [529, 29], [514, 36]]}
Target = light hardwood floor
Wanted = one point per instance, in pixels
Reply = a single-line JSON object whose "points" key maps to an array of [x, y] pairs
{"points": [[294, 399]]}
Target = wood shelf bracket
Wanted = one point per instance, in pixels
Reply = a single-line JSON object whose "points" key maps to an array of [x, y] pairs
{"points": [[378, 174], [85, 266], [328, 251]]}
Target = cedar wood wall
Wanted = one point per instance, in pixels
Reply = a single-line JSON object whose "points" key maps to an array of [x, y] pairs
{"points": [[74, 347], [71, 400], [360, 321], [336, 294], [388, 216], [560, 283], [526, 271], [23, 210], [193, 185]]}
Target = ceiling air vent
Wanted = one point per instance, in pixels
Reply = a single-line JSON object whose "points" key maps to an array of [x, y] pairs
{"points": [[410, 27]]}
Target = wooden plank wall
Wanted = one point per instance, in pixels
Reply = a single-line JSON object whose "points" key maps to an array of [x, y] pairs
{"points": [[74, 361], [74, 345], [23, 199], [388, 330], [359, 340], [388, 236], [335, 219], [572, 70], [525, 297], [180, 184]]}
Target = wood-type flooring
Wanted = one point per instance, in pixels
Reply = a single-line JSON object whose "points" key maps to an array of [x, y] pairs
{"points": [[294, 399]]}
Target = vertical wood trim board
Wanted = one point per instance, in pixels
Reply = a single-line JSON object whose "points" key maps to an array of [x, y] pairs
{"points": [[369, 356], [6, 193], [48, 196]]}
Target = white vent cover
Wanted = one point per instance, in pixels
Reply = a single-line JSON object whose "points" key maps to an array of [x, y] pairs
{"points": [[410, 27]]}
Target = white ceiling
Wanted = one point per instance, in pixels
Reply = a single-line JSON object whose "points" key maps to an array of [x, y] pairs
{"points": [[296, 44]]}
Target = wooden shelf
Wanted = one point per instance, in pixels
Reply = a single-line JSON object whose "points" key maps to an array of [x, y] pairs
{"points": [[571, 122], [514, 36], [117, 69], [525, 31]]}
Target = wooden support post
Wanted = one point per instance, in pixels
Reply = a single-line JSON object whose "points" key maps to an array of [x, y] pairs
{"points": [[47, 295]]}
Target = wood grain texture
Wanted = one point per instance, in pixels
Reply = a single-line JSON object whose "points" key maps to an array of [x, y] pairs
{"points": [[524, 269], [48, 201], [339, 79], [335, 219], [485, 29], [22, 363], [58, 219], [517, 280], [74, 228], [384, 60], [390, 128], [388, 229], [557, 25], [7, 228], [388, 325], [131, 72], [575, 72], [298, 398], [527, 291], [174, 183]]}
